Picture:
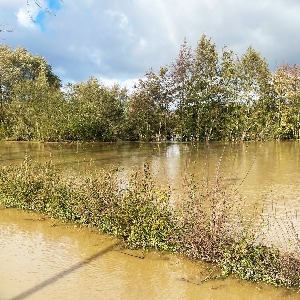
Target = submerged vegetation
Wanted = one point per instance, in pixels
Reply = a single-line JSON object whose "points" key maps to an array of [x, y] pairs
{"points": [[204, 94], [206, 223]]}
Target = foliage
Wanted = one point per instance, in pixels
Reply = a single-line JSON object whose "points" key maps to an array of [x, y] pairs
{"points": [[94, 111], [34, 113], [203, 95], [38, 111], [287, 102], [207, 225], [17, 66], [257, 262], [207, 95], [148, 111], [143, 216], [138, 213], [208, 210]]}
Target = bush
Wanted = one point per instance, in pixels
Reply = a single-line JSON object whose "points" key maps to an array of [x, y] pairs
{"points": [[206, 225]]}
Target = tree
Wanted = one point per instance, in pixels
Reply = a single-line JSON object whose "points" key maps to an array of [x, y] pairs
{"points": [[148, 111], [231, 112], [181, 74], [286, 81], [255, 95], [23, 77], [164, 101], [19, 65], [202, 103], [141, 111], [35, 112], [95, 112]]}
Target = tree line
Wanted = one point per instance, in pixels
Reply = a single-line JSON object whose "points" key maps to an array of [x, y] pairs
{"points": [[203, 95]]}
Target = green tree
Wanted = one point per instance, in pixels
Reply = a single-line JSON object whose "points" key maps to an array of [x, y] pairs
{"points": [[255, 96], [229, 120], [27, 87], [149, 114], [181, 71], [95, 112], [286, 81], [35, 112], [19, 65], [203, 102]]}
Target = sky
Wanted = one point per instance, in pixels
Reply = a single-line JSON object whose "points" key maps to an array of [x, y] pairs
{"points": [[119, 40]]}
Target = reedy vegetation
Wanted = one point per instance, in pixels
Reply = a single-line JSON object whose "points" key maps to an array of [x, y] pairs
{"points": [[205, 223], [204, 94]]}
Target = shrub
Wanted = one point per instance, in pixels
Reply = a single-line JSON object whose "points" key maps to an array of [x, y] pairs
{"points": [[206, 224]]}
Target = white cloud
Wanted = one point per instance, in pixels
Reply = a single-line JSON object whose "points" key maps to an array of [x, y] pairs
{"points": [[25, 19], [28, 12], [142, 44], [128, 84], [12, 3], [122, 39], [119, 17]]}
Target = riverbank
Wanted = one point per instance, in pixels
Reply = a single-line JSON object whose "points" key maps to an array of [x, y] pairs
{"points": [[205, 224]]}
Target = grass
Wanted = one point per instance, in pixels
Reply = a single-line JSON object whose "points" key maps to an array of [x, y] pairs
{"points": [[206, 223]]}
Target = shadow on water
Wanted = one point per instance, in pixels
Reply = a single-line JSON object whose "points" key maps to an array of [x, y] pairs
{"points": [[64, 273]]}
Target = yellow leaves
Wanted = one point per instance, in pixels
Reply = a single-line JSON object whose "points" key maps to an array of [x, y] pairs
{"points": [[287, 82]]}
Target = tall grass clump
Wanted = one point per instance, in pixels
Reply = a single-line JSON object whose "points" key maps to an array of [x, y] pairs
{"points": [[207, 212], [206, 223]]}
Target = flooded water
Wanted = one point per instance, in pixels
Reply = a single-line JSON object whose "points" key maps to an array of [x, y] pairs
{"points": [[45, 259]]}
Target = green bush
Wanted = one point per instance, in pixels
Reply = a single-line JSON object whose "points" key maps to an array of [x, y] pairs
{"points": [[139, 212]]}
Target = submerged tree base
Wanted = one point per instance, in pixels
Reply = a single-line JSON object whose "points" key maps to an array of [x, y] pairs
{"points": [[139, 212]]}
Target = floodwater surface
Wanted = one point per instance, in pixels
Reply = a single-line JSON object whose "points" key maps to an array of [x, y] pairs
{"points": [[45, 259]]}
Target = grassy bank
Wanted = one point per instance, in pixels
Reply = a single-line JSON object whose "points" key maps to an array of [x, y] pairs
{"points": [[206, 223]]}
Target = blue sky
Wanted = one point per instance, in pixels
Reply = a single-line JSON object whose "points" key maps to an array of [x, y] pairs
{"points": [[50, 7], [119, 40]]}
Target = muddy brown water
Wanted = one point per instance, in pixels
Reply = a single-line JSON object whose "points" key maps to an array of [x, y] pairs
{"points": [[45, 259]]}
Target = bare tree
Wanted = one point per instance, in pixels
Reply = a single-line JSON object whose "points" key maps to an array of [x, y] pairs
{"points": [[4, 28], [46, 8]]}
